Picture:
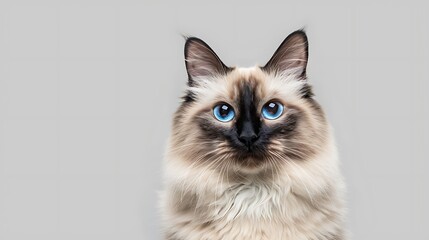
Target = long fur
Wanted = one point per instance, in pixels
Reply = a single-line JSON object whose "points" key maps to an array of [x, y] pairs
{"points": [[295, 193]]}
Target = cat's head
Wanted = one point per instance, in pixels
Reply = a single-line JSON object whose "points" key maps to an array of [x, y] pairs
{"points": [[248, 118]]}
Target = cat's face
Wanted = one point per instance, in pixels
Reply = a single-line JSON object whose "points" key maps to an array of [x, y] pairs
{"points": [[248, 118]]}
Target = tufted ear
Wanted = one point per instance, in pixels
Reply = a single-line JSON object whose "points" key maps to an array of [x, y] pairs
{"points": [[201, 61], [291, 56]]}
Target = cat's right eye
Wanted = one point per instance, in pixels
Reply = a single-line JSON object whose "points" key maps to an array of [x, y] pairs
{"points": [[223, 112]]}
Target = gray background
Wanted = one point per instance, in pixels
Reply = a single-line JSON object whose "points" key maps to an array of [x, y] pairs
{"points": [[87, 89]]}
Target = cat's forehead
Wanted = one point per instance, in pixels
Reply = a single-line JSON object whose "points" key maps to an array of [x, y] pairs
{"points": [[249, 79], [262, 85], [252, 76]]}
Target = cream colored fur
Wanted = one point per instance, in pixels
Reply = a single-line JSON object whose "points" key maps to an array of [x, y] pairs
{"points": [[295, 200]]}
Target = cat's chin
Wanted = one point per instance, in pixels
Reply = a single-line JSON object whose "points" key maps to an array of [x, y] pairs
{"points": [[250, 164]]}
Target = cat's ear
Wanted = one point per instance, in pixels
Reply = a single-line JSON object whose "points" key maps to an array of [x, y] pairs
{"points": [[201, 61], [291, 56]]}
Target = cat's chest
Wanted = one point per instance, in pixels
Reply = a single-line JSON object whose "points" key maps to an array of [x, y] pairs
{"points": [[249, 201], [254, 212]]}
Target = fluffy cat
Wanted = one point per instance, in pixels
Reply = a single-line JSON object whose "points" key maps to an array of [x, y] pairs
{"points": [[251, 154]]}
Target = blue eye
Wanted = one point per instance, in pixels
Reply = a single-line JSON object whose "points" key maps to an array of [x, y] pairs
{"points": [[272, 110], [223, 112]]}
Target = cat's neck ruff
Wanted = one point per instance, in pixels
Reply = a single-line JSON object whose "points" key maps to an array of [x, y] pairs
{"points": [[262, 194]]}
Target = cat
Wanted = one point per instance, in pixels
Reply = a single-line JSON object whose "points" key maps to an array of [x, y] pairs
{"points": [[251, 154]]}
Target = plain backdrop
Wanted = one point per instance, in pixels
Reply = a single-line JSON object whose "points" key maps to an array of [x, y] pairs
{"points": [[88, 88]]}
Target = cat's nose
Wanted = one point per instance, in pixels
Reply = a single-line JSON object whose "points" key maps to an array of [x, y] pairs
{"points": [[248, 138]]}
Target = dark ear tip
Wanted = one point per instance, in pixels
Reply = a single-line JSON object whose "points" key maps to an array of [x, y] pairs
{"points": [[299, 33], [190, 40]]}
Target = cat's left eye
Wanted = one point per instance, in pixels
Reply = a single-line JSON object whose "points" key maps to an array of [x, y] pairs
{"points": [[272, 110]]}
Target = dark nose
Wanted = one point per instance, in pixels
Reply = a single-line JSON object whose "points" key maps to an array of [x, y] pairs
{"points": [[248, 140], [248, 137]]}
